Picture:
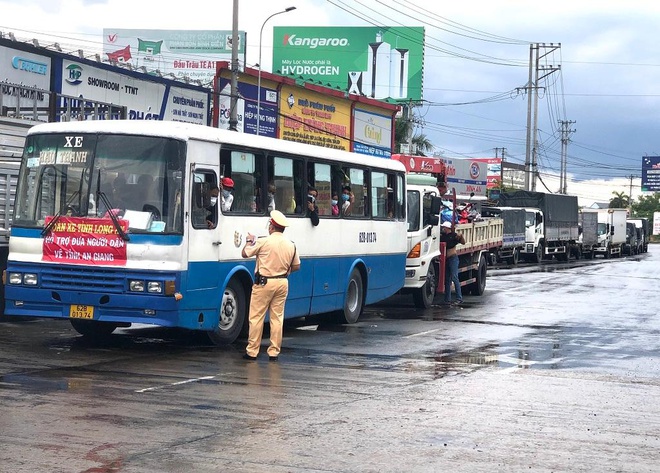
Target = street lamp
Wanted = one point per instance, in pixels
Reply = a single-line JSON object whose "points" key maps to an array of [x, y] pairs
{"points": [[287, 10]]}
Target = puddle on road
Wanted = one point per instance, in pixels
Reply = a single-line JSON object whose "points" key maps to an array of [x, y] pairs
{"points": [[506, 356]]}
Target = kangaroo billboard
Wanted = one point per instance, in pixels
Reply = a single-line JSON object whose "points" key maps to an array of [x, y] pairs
{"points": [[381, 63]]}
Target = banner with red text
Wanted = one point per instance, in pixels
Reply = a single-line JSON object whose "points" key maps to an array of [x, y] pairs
{"points": [[80, 240]]}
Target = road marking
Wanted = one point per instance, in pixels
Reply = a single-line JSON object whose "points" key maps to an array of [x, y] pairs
{"points": [[193, 380], [421, 333]]}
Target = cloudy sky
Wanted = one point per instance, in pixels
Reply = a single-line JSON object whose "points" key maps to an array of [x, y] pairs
{"points": [[476, 62]]}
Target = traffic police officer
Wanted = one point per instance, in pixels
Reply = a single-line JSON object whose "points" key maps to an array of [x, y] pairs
{"points": [[276, 259]]}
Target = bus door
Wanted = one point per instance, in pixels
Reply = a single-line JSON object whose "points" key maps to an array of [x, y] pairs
{"points": [[203, 232]]}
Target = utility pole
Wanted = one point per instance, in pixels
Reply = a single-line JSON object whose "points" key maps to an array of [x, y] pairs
{"points": [[536, 74], [233, 100], [497, 151], [630, 199], [565, 131]]}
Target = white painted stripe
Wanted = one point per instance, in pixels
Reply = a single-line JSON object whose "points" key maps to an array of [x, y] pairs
{"points": [[421, 333], [193, 380]]}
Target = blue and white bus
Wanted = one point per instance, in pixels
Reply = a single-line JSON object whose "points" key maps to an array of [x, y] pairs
{"points": [[114, 224]]}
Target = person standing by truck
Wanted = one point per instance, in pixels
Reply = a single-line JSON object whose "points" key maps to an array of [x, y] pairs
{"points": [[451, 239]]}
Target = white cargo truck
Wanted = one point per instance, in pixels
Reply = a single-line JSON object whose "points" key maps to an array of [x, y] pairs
{"points": [[425, 263], [611, 232]]}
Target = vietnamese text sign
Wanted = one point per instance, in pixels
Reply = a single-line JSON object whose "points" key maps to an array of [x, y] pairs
{"points": [[651, 173], [372, 133], [93, 241], [466, 176], [144, 99], [378, 62], [184, 53], [314, 118]]}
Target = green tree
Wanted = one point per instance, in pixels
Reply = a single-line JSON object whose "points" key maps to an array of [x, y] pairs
{"points": [[619, 201], [646, 205], [402, 130]]}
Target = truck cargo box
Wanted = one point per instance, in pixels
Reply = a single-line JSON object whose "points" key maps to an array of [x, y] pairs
{"points": [[558, 209]]}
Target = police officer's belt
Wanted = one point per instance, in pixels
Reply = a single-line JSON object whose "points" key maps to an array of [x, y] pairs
{"points": [[277, 277]]}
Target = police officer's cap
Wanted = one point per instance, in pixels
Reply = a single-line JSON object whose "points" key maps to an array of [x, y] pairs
{"points": [[278, 219]]}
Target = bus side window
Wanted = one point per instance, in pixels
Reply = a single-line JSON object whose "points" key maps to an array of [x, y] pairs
{"points": [[319, 177], [358, 184], [286, 174], [245, 169]]}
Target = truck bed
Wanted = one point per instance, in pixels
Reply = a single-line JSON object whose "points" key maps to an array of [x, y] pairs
{"points": [[484, 235]]}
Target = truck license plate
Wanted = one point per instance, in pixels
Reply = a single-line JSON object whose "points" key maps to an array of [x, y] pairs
{"points": [[77, 311]]}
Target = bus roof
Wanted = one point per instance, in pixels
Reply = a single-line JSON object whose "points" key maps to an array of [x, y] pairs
{"points": [[187, 131]]}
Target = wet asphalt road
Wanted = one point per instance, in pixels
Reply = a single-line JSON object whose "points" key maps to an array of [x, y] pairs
{"points": [[554, 368]]}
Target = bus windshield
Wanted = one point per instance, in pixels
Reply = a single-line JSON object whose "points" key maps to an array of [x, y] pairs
{"points": [[138, 178]]}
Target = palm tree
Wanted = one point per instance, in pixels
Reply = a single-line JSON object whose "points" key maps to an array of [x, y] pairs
{"points": [[619, 201], [403, 129]]}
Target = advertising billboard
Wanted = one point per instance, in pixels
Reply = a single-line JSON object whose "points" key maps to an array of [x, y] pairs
{"points": [[466, 176], [493, 171], [315, 118], [184, 53], [377, 62], [372, 133], [246, 105], [28, 70], [144, 99], [513, 175], [651, 173]]}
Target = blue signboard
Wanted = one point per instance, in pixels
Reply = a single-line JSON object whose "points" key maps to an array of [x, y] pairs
{"points": [[247, 108], [651, 173]]}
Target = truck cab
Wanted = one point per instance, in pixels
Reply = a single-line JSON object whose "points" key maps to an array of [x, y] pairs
{"points": [[632, 246], [422, 269], [534, 235]]}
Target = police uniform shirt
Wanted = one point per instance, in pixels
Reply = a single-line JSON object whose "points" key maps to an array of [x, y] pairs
{"points": [[275, 254]]}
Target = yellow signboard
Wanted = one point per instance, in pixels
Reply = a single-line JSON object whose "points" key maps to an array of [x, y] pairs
{"points": [[310, 117]]}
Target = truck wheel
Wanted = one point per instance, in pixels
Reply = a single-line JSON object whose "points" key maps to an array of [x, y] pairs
{"points": [[93, 328], [607, 253], [538, 254], [516, 256], [233, 315], [478, 287], [354, 298], [423, 296]]}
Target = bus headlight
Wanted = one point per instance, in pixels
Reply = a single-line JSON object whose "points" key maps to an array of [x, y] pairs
{"points": [[155, 287], [30, 279], [16, 278], [136, 286]]}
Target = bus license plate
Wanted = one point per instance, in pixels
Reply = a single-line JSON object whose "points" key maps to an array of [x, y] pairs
{"points": [[81, 311]]}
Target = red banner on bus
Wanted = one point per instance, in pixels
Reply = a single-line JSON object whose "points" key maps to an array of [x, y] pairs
{"points": [[93, 241]]}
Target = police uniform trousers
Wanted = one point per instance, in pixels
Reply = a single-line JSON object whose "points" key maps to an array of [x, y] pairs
{"points": [[269, 297]]}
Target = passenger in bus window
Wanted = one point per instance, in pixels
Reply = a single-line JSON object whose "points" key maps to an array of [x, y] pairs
{"points": [[312, 208], [227, 198], [347, 198], [271, 197], [335, 204], [212, 216]]}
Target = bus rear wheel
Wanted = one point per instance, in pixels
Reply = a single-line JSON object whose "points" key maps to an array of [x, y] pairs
{"points": [[353, 299], [93, 328], [233, 315]]}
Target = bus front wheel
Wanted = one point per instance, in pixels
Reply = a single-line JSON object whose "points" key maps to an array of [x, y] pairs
{"points": [[233, 315], [353, 299]]}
